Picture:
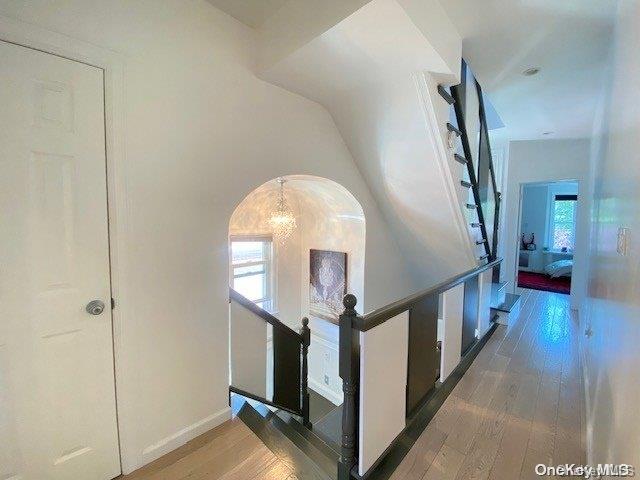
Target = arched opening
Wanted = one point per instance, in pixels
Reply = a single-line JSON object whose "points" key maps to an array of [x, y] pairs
{"points": [[305, 275]]}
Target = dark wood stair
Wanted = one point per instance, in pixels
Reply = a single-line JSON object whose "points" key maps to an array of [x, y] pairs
{"points": [[309, 454]]}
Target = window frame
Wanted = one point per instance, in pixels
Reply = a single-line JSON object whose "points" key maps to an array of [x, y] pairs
{"points": [[553, 193], [269, 267]]}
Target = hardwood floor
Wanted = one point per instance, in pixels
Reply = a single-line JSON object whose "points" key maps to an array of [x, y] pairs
{"points": [[519, 404], [228, 452]]}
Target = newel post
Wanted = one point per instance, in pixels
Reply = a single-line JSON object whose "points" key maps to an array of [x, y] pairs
{"points": [[304, 384], [350, 374]]}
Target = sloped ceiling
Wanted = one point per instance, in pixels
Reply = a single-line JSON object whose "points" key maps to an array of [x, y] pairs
{"points": [[366, 62], [250, 12]]}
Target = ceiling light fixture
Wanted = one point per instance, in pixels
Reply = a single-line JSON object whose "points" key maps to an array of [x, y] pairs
{"points": [[282, 220], [530, 72]]}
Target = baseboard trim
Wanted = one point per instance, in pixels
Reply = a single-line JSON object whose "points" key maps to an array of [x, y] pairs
{"points": [[587, 399], [179, 438], [327, 393]]}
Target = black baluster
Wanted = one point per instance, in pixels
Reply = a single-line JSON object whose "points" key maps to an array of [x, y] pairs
{"points": [[306, 341], [350, 374]]}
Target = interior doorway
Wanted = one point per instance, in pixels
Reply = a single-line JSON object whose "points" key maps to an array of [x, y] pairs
{"points": [[57, 387], [547, 236]]}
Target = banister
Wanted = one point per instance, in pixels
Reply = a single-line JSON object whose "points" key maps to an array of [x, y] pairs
{"points": [[262, 313], [381, 315]]}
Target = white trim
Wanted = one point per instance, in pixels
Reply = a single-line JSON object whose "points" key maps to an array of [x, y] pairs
{"points": [[123, 317], [434, 134], [179, 438], [583, 324]]}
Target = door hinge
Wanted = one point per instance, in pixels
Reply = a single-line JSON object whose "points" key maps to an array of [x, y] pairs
{"points": [[113, 303]]}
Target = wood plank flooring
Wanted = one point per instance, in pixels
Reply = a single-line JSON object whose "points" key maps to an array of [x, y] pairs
{"points": [[228, 452], [519, 404]]}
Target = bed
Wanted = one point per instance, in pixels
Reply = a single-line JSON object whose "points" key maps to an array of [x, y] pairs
{"points": [[559, 268]]}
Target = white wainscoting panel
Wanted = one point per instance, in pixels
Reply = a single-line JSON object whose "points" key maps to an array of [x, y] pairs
{"points": [[383, 387], [484, 303], [452, 308], [323, 368], [248, 350]]}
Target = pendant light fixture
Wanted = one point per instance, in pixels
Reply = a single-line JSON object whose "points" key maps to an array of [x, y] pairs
{"points": [[282, 220]]}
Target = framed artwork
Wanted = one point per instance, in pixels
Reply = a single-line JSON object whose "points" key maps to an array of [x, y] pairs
{"points": [[327, 283]]}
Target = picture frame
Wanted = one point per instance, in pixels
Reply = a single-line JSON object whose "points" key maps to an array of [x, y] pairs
{"points": [[327, 283]]}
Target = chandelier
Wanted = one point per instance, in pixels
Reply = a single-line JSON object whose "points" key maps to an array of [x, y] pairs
{"points": [[282, 220]]}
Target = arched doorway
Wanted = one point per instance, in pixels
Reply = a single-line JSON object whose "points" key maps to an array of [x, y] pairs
{"points": [[282, 277]]}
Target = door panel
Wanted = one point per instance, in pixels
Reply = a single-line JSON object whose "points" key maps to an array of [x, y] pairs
{"points": [[424, 361], [56, 360]]}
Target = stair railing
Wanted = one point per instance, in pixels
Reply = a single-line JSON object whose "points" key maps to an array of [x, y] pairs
{"points": [[390, 364], [482, 181], [284, 383]]}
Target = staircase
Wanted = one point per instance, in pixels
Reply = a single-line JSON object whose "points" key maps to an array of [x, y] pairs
{"points": [[296, 423], [319, 440], [307, 454], [480, 199]]}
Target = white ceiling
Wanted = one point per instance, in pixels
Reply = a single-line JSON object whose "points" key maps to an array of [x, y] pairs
{"points": [[567, 39], [250, 12]]}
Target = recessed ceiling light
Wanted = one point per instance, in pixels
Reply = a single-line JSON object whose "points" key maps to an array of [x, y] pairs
{"points": [[529, 72]]}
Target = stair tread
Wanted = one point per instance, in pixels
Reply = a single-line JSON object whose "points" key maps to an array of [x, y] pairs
{"points": [[329, 427], [446, 95], [452, 128], [511, 300], [459, 158], [329, 447], [297, 452]]}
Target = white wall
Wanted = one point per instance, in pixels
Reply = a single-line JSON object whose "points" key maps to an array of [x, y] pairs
{"points": [[547, 161], [613, 313], [370, 71], [201, 131]]}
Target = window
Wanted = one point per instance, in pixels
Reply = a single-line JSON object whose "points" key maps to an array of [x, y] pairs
{"points": [[563, 222], [252, 269]]}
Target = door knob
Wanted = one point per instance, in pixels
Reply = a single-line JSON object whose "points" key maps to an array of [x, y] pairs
{"points": [[95, 307]]}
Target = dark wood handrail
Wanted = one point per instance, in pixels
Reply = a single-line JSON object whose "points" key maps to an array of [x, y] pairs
{"points": [[381, 315], [262, 313]]}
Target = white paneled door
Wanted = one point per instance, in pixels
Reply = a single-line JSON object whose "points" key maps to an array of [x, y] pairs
{"points": [[57, 392]]}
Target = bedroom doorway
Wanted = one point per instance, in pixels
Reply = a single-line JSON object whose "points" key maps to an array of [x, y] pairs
{"points": [[547, 236]]}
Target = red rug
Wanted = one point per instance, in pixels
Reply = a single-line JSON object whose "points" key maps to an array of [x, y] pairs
{"points": [[540, 281]]}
